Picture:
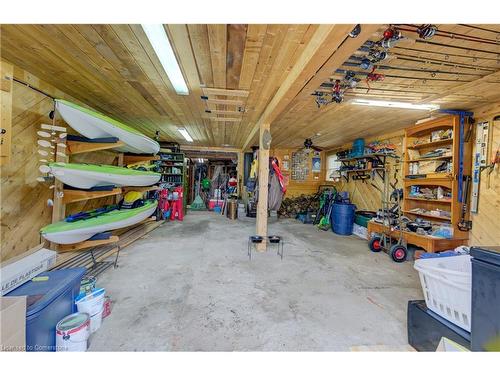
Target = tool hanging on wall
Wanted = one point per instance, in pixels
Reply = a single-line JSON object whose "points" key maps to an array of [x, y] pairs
{"points": [[464, 117], [480, 162], [465, 225]]}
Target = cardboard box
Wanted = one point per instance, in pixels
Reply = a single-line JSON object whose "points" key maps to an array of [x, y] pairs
{"points": [[19, 270], [13, 324]]}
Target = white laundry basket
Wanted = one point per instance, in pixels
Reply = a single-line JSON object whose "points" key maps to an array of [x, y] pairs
{"points": [[446, 283]]}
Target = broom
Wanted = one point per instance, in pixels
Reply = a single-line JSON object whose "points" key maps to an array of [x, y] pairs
{"points": [[198, 204]]}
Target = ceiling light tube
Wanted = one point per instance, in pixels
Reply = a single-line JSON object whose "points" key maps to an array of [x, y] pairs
{"points": [[163, 49], [391, 104], [185, 134]]}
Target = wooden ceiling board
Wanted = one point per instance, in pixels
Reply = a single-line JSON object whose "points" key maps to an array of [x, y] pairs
{"points": [[113, 69], [198, 34]]}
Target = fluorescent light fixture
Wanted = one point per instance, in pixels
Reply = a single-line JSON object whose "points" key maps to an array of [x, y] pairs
{"points": [[390, 104], [201, 160], [163, 49], [185, 134]]}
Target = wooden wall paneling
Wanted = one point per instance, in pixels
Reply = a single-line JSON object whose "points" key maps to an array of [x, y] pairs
{"points": [[367, 195], [6, 89], [24, 208], [313, 180], [485, 222]]}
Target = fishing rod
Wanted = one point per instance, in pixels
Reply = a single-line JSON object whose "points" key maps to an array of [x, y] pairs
{"points": [[391, 90], [427, 60], [441, 62], [342, 71], [474, 58], [481, 28], [449, 34], [457, 47], [388, 67]]}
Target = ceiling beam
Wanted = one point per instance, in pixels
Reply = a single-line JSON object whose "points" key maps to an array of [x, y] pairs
{"points": [[324, 45]]}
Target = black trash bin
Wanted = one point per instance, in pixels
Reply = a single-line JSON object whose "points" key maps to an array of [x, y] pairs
{"points": [[485, 324]]}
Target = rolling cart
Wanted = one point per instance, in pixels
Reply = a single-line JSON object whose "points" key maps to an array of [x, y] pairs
{"points": [[394, 244]]}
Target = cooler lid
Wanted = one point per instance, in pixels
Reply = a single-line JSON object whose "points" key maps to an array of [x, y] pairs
{"points": [[489, 254], [41, 293]]}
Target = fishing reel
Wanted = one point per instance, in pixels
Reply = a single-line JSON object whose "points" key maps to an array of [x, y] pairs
{"points": [[427, 31], [337, 94], [355, 32], [320, 98], [366, 63], [350, 79], [376, 55], [391, 37]]}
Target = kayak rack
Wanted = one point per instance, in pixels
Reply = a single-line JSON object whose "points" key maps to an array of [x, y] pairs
{"points": [[73, 195], [78, 147]]}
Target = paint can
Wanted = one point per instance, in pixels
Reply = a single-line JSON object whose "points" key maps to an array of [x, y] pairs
{"points": [[91, 303], [96, 321], [72, 333]]}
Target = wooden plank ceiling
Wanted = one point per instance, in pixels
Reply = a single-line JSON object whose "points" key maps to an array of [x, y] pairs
{"points": [[239, 68]]}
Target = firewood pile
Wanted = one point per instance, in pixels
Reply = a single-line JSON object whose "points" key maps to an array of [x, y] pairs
{"points": [[290, 207]]}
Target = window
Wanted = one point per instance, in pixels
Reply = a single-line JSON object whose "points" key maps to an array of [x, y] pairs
{"points": [[332, 168]]}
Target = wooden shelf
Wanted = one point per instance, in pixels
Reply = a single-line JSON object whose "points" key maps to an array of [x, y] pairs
{"points": [[424, 159], [131, 159], [431, 144], [432, 176], [373, 155], [428, 216], [76, 147], [86, 244], [363, 170], [448, 201], [71, 196]]}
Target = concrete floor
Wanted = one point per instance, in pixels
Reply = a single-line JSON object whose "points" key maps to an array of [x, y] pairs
{"points": [[190, 287]]}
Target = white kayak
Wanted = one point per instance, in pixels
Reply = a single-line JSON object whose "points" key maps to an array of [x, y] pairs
{"points": [[64, 232], [93, 125], [87, 176]]}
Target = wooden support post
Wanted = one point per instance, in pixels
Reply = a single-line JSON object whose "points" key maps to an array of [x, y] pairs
{"points": [[264, 145], [240, 171]]}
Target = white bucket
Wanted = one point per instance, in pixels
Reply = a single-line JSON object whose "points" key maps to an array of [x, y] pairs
{"points": [[91, 303], [72, 333], [95, 321]]}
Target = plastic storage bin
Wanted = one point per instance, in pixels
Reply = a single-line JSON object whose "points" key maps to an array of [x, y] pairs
{"points": [[447, 284], [47, 303]]}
